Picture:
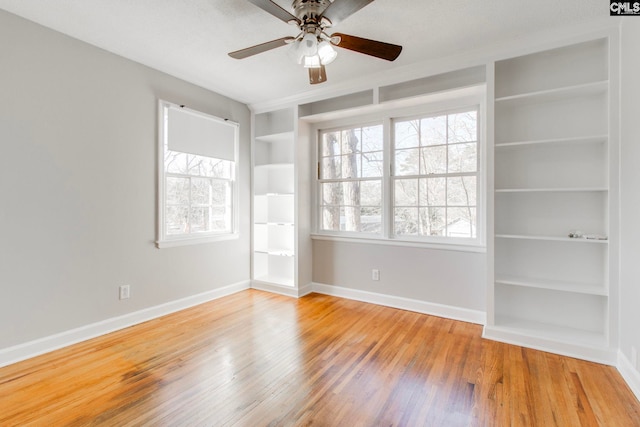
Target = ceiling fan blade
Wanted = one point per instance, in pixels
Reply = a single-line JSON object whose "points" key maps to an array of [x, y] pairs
{"points": [[254, 50], [275, 10], [340, 10], [317, 75], [375, 48]]}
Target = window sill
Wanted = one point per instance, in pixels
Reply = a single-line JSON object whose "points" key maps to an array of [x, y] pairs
{"points": [[475, 248], [186, 241]]}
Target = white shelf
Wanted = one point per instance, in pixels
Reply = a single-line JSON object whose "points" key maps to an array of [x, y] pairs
{"points": [[274, 194], [556, 285], [275, 166], [275, 137], [278, 280], [550, 238], [551, 190], [552, 332], [551, 95], [276, 224], [277, 252], [593, 139]]}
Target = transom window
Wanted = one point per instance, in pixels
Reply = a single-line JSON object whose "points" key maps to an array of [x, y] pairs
{"points": [[426, 190]]}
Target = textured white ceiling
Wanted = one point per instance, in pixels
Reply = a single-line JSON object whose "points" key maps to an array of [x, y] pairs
{"points": [[190, 39]]}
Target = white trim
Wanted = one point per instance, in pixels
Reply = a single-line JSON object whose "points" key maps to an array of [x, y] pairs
{"points": [[44, 345], [630, 375], [596, 354], [418, 306], [398, 242], [289, 291], [172, 243]]}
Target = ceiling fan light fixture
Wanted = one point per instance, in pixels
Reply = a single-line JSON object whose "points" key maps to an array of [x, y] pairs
{"points": [[295, 52], [309, 44], [326, 52]]}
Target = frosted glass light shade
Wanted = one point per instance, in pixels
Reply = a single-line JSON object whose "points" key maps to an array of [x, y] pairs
{"points": [[295, 52], [326, 52], [309, 44]]}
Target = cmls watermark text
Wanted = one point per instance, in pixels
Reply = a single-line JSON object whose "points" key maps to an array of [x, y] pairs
{"points": [[618, 8]]}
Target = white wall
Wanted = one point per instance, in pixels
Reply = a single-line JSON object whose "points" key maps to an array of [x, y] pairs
{"points": [[78, 133], [451, 278], [630, 188]]}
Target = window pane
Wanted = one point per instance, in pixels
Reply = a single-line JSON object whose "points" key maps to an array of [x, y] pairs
{"points": [[177, 191], [407, 134], [221, 193], [461, 191], [463, 157], [200, 191], [220, 219], [463, 127], [351, 193], [371, 193], [433, 192], [434, 130], [177, 220], [351, 141], [372, 165], [331, 144], [372, 138], [175, 162], [461, 222], [331, 193], [200, 219], [371, 220], [331, 218], [350, 166], [432, 221], [406, 162], [406, 192], [405, 221], [433, 160], [331, 168]]}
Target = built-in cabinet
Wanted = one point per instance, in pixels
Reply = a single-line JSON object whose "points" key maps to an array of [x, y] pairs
{"points": [[280, 259], [273, 199], [552, 156]]}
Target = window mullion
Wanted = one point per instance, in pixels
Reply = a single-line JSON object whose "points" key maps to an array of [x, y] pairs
{"points": [[387, 207]]}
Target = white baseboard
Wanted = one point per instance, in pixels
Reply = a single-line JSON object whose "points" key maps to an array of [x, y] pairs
{"points": [[604, 355], [440, 310], [629, 374], [40, 346], [289, 291]]}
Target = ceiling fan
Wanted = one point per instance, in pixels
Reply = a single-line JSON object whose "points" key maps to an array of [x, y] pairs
{"points": [[313, 47]]}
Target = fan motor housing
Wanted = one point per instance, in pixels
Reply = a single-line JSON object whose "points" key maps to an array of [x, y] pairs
{"points": [[309, 10]]}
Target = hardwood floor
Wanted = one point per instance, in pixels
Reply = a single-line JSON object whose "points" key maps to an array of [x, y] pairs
{"points": [[259, 359]]}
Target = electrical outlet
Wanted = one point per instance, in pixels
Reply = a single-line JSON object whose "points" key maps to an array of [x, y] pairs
{"points": [[634, 357], [375, 274], [125, 292]]}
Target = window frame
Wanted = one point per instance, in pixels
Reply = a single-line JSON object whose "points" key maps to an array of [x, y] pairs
{"points": [[388, 116], [320, 180], [165, 240]]}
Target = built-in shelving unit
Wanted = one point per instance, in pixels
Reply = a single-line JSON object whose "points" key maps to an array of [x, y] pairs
{"points": [[273, 199], [551, 178]]}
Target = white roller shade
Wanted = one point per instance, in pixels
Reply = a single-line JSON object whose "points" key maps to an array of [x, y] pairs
{"points": [[196, 133]]}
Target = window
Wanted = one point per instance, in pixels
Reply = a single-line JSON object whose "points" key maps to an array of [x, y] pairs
{"points": [[406, 179], [351, 179], [197, 188], [435, 180]]}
